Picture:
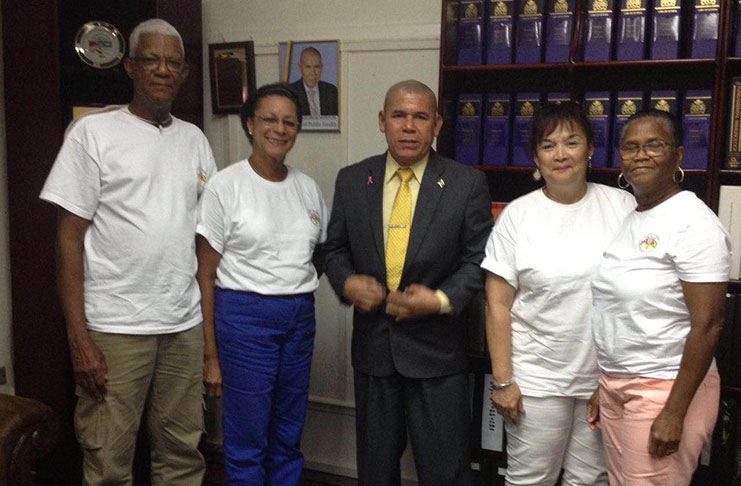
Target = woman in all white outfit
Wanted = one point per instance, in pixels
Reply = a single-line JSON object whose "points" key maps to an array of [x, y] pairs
{"points": [[540, 258]]}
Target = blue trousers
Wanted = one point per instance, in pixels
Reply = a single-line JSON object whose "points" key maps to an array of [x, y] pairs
{"points": [[265, 346]]}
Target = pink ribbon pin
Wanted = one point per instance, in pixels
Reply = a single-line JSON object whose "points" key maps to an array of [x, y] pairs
{"points": [[370, 180]]}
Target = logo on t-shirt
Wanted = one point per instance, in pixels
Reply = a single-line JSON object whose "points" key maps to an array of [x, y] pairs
{"points": [[314, 218], [649, 243]]}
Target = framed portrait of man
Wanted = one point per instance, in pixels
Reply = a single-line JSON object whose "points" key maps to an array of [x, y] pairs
{"points": [[312, 70]]}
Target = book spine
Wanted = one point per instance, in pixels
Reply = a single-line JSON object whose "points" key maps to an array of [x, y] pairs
{"points": [[598, 107], [696, 114], [450, 56], [529, 35], [666, 20], [559, 30], [557, 98], [470, 32], [496, 131], [499, 32], [737, 43], [525, 106], [705, 20], [665, 101], [468, 129], [733, 158], [627, 103], [497, 208], [598, 33], [631, 42]]}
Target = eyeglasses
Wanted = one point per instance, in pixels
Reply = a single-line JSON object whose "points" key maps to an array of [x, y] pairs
{"points": [[151, 63], [654, 148], [273, 122]]}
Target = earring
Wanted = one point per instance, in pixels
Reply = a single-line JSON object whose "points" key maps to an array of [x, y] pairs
{"points": [[622, 177], [589, 165], [681, 175], [536, 175]]}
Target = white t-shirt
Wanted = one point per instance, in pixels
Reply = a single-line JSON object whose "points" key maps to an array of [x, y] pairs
{"points": [[139, 186], [549, 252], [641, 320], [265, 231]]}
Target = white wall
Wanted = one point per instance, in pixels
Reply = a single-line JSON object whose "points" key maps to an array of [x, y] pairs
{"points": [[6, 354], [381, 42]]}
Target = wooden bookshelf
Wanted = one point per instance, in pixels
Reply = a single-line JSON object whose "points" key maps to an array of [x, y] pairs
{"points": [[577, 77]]}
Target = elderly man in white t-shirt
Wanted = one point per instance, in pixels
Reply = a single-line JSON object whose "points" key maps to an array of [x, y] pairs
{"points": [[127, 181]]}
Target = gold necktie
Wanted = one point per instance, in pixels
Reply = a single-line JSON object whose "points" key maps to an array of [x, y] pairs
{"points": [[399, 227]]}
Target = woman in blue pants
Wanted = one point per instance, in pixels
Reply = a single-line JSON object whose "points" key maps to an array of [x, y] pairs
{"points": [[260, 222]]}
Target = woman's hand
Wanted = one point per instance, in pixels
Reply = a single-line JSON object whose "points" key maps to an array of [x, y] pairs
{"points": [[508, 402], [212, 376], [593, 411], [666, 431]]}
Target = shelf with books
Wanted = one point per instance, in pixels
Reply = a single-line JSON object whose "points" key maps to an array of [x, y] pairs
{"points": [[645, 76]]}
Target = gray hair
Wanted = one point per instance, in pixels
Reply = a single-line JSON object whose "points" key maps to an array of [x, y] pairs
{"points": [[152, 26], [671, 124], [411, 86]]}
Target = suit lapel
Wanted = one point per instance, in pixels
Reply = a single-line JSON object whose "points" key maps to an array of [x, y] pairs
{"points": [[430, 192], [304, 101], [323, 98], [374, 193]]}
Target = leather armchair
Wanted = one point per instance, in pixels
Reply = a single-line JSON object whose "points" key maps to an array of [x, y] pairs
{"points": [[28, 430]]}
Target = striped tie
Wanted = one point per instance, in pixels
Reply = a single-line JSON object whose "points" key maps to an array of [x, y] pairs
{"points": [[399, 227]]}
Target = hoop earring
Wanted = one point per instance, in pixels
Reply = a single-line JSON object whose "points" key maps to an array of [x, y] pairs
{"points": [[536, 175], [622, 177], [681, 175]]}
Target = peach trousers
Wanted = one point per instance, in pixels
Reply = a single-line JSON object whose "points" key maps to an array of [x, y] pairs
{"points": [[628, 407]]}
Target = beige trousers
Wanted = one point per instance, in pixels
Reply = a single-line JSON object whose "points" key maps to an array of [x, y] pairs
{"points": [[164, 372]]}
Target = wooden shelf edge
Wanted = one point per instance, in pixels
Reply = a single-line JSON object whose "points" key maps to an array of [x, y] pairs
{"points": [[507, 67], [584, 65]]}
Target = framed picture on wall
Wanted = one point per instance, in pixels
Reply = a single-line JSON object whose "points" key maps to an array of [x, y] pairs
{"points": [[232, 68], [312, 69]]}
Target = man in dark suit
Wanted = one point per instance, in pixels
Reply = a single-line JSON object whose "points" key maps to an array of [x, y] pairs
{"points": [[409, 342], [315, 96]]}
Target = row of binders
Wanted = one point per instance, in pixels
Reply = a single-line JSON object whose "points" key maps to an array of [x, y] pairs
{"points": [[534, 31], [494, 129]]}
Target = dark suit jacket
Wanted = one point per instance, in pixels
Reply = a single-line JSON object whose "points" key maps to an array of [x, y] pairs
{"points": [[327, 97], [452, 222]]}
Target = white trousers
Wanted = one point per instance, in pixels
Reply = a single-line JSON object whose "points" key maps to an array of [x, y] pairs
{"points": [[552, 435]]}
